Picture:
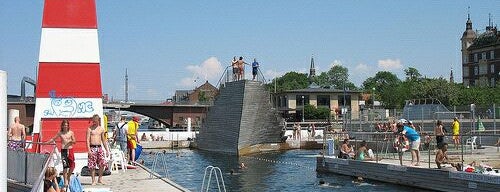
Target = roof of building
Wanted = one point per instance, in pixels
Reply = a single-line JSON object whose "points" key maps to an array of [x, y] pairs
{"points": [[489, 38], [320, 90]]}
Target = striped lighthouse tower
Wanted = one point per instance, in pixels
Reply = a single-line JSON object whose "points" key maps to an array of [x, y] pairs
{"points": [[69, 77]]}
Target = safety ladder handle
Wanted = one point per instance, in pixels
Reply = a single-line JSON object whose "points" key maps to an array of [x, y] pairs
{"points": [[214, 171], [204, 175], [221, 177]]}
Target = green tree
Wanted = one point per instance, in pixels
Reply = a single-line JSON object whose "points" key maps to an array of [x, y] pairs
{"points": [[335, 78], [290, 81], [311, 112], [384, 87], [412, 74]]}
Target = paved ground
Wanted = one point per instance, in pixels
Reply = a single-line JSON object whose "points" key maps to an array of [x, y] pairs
{"points": [[132, 180]]}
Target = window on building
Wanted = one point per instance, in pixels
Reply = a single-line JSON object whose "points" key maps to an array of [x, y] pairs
{"points": [[465, 59], [475, 57], [492, 54], [298, 100], [476, 70], [483, 55], [492, 69], [483, 69], [347, 100], [324, 101], [465, 71], [492, 82]]}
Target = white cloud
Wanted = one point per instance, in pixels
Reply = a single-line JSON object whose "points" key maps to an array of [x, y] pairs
{"points": [[209, 70], [389, 64], [362, 68], [360, 72], [335, 62]]}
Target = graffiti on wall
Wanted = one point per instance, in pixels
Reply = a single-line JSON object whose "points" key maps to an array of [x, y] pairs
{"points": [[67, 106]]}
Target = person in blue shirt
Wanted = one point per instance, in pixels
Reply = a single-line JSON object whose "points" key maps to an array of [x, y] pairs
{"points": [[255, 68], [414, 139]]}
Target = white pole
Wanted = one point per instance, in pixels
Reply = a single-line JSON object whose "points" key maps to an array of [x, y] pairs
{"points": [[189, 124], [3, 130]]}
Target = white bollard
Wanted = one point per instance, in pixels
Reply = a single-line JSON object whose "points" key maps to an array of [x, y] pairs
{"points": [[3, 130]]}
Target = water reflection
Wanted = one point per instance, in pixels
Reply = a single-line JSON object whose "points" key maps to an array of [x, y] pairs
{"points": [[273, 171]]}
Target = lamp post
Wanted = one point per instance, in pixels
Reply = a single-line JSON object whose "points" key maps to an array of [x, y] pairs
{"points": [[373, 97], [303, 108]]}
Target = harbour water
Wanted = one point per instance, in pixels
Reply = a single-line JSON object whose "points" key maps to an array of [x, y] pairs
{"points": [[292, 170]]}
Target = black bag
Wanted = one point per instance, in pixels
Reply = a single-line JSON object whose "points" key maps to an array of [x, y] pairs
{"points": [[86, 171]]}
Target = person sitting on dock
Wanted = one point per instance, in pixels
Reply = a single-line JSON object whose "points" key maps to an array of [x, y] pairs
{"points": [[362, 153], [442, 156], [346, 151]]}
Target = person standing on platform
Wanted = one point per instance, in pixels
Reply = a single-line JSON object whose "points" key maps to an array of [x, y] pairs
{"points": [[120, 135], [438, 131], [132, 138], [17, 134], [95, 141], [67, 155], [414, 139], [455, 128], [234, 65], [241, 66], [255, 68]]}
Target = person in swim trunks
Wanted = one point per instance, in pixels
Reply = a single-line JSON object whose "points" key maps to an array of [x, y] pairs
{"points": [[67, 155], [17, 134], [95, 141]]}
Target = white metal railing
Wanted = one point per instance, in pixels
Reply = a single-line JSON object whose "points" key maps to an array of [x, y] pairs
{"points": [[161, 157], [214, 171]]}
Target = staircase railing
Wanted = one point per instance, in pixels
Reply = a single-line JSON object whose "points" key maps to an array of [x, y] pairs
{"points": [[228, 76], [224, 78]]}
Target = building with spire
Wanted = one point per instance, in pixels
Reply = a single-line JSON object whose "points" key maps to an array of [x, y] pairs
{"points": [[451, 76], [480, 55], [312, 71]]}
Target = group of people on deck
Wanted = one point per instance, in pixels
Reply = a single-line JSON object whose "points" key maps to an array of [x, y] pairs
{"points": [[406, 131], [125, 135], [238, 67]]}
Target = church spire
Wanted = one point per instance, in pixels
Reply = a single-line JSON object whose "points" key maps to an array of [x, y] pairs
{"points": [[451, 76], [312, 70]]}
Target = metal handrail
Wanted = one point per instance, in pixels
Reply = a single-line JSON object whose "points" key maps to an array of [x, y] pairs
{"points": [[213, 170], [40, 178], [224, 74], [262, 75], [163, 161]]}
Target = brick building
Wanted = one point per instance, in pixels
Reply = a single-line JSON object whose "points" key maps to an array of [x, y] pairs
{"points": [[480, 56]]}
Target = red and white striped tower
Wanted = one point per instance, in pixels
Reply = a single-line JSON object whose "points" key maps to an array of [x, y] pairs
{"points": [[69, 77]]}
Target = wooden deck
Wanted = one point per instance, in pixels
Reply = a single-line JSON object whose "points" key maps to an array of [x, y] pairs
{"points": [[389, 170]]}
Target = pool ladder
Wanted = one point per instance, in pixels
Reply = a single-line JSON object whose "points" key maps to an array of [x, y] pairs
{"points": [[214, 171], [159, 156]]}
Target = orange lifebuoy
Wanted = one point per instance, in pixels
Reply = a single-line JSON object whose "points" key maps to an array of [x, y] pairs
{"points": [[401, 141]]}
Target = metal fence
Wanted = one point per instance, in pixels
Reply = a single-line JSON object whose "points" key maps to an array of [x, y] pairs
{"points": [[27, 168]]}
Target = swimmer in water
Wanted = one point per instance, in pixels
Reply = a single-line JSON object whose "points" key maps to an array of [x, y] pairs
{"points": [[242, 166]]}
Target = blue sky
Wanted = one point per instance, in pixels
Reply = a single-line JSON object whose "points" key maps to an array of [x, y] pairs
{"points": [[165, 45]]}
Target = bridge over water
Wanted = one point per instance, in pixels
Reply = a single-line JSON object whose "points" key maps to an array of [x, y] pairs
{"points": [[168, 114]]}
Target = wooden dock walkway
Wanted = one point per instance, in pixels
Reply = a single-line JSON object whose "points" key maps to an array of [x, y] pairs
{"points": [[132, 180], [389, 170]]}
